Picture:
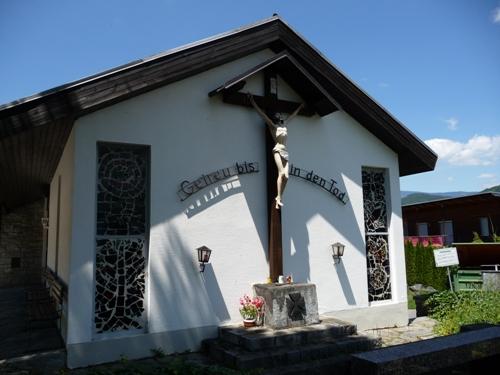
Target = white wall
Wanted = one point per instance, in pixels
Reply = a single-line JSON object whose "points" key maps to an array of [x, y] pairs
{"points": [[337, 147], [64, 171], [191, 134]]}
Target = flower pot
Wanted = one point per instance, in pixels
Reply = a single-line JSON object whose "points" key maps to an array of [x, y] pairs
{"points": [[259, 320], [248, 323]]}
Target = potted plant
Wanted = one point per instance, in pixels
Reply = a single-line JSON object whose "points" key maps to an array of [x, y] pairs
{"points": [[259, 304], [251, 309]]}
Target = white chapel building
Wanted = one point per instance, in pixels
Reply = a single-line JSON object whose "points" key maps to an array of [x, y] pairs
{"points": [[143, 164]]}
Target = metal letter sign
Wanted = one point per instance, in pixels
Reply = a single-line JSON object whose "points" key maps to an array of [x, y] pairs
{"points": [[190, 187]]}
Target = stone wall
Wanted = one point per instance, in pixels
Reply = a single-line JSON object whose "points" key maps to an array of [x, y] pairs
{"points": [[491, 280], [21, 244]]}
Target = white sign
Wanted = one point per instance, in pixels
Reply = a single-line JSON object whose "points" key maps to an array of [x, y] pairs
{"points": [[446, 257]]}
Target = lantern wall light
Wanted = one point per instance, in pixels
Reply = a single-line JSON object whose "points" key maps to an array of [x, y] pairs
{"points": [[203, 256], [45, 222], [337, 252]]}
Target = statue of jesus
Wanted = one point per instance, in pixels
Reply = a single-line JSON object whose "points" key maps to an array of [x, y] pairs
{"points": [[279, 132]]}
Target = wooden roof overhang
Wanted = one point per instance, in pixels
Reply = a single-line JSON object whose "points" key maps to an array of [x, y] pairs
{"points": [[34, 130]]}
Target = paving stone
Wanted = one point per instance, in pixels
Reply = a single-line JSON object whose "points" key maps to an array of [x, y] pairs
{"points": [[419, 329]]}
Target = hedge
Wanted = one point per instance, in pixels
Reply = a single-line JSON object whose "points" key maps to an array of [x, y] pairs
{"points": [[421, 269]]}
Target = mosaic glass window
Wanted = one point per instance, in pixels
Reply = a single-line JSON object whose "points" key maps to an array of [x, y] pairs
{"points": [[121, 250], [121, 189], [376, 231], [120, 284]]}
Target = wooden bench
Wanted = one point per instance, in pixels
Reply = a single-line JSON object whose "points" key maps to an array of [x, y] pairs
{"points": [[48, 309]]}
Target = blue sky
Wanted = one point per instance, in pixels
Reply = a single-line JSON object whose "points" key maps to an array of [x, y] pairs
{"points": [[435, 65]]}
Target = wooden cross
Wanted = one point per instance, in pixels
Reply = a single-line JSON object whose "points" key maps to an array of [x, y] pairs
{"points": [[318, 102], [271, 105], [275, 245]]}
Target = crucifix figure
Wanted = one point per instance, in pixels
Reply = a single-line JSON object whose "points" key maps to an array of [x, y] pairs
{"points": [[278, 128], [315, 100]]}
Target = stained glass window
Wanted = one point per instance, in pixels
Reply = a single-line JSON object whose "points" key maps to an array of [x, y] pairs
{"points": [[121, 190], [376, 234], [121, 252]]}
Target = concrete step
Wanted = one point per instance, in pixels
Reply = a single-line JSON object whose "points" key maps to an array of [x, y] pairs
{"points": [[261, 338], [238, 357]]}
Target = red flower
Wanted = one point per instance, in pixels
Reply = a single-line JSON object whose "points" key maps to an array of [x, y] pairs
{"points": [[250, 307]]}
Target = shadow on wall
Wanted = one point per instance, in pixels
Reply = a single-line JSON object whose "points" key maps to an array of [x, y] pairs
{"points": [[177, 273], [344, 282], [337, 215], [178, 295], [211, 196], [207, 198], [178, 290], [214, 294]]}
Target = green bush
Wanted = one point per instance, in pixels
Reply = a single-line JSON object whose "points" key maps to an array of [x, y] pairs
{"points": [[476, 238], [453, 310], [421, 269], [495, 237]]}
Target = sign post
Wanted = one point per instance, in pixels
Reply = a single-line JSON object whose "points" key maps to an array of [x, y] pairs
{"points": [[446, 257]]}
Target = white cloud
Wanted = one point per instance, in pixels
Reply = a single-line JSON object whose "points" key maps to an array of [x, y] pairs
{"points": [[452, 123], [487, 175], [489, 184], [496, 15], [479, 150], [451, 179], [383, 85]]}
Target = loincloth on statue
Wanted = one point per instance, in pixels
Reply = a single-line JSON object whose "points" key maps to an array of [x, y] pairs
{"points": [[281, 149]]}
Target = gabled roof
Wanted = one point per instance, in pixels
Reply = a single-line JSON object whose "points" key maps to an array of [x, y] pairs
{"points": [[33, 130], [317, 98]]}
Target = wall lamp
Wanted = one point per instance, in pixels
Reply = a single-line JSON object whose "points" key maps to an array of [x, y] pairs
{"points": [[45, 222], [337, 252], [203, 256]]}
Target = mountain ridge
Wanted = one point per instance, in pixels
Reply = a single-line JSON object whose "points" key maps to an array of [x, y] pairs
{"points": [[413, 197]]}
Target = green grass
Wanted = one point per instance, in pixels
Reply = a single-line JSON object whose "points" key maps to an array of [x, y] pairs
{"points": [[411, 300]]}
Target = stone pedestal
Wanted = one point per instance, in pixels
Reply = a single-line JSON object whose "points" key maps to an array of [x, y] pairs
{"points": [[491, 280], [289, 305]]}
